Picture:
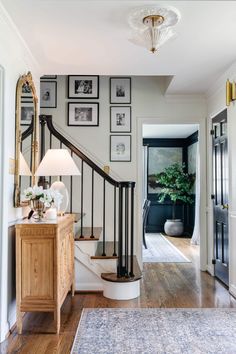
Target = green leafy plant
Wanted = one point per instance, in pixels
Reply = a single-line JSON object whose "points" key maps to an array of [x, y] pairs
{"points": [[176, 184]]}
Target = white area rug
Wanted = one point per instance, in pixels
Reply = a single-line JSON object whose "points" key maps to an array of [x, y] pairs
{"points": [[160, 250]]}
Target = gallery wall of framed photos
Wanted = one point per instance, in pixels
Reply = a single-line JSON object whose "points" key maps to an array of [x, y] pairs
{"points": [[120, 119], [76, 100], [82, 89]]}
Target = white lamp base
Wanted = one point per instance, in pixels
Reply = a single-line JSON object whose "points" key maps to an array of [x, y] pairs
{"points": [[60, 187]]}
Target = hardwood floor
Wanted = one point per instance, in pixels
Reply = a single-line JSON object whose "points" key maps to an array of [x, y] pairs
{"points": [[163, 285]]}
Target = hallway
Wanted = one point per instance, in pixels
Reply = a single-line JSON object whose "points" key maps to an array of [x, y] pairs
{"points": [[163, 285]]}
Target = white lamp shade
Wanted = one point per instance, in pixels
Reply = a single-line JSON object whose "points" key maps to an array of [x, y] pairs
{"points": [[57, 162], [24, 169]]}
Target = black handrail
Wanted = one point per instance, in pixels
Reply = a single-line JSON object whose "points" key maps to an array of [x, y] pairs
{"points": [[63, 140]]}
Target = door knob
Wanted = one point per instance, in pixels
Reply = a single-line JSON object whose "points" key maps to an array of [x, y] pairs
{"points": [[225, 206]]}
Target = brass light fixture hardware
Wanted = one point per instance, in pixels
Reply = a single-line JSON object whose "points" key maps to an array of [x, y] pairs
{"points": [[106, 169], [230, 92]]}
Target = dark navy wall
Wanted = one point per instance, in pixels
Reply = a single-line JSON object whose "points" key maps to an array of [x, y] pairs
{"points": [[159, 212]]}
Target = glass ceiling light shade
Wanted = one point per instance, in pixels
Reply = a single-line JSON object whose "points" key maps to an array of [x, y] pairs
{"points": [[152, 25], [58, 162]]}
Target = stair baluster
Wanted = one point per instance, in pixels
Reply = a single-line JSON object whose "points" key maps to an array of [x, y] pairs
{"points": [[114, 253], [92, 204], [82, 199], [104, 219]]}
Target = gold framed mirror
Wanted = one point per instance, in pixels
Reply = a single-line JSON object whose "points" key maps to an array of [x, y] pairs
{"points": [[26, 138]]}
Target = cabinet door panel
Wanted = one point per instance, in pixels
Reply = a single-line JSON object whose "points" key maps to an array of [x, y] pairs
{"points": [[37, 269]]}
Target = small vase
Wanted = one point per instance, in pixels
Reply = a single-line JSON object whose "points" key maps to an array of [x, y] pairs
{"points": [[38, 207]]}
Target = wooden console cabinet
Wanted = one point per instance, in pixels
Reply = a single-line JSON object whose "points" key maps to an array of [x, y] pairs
{"points": [[44, 266]]}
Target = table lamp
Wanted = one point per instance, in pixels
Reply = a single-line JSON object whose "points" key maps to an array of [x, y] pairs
{"points": [[58, 162]]}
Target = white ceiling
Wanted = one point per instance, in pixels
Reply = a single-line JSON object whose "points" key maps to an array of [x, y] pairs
{"points": [[91, 37], [168, 131]]}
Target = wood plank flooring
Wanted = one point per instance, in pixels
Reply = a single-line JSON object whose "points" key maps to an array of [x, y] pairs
{"points": [[163, 285]]}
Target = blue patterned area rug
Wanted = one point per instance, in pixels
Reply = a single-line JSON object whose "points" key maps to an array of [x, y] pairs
{"points": [[156, 331]]}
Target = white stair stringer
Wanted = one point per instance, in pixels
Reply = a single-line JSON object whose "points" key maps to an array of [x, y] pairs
{"points": [[88, 271]]}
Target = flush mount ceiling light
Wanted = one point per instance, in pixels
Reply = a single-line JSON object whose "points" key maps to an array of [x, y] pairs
{"points": [[152, 25]]}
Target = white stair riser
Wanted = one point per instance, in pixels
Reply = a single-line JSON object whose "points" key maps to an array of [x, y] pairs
{"points": [[88, 247], [121, 291], [88, 276]]}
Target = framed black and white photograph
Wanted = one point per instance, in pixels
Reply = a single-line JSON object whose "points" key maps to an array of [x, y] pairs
{"points": [[26, 91], [83, 114], [120, 148], [120, 90], [27, 113], [120, 119], [81, 86], [48, 94], [48, 77]]}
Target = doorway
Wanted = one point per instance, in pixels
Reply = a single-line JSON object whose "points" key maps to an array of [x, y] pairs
{"points": [[203, 249], [220, 196], [170, 150]]}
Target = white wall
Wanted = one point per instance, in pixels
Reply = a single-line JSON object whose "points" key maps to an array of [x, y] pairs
{"points": [[215, 104], [148, 102], [15, 59]]}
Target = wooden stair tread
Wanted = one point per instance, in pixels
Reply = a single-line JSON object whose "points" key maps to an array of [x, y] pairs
{"points": [[109, 247], [87, 233], [114, 278]]}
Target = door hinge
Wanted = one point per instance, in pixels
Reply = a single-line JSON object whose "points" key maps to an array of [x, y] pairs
{"points": [[212, 196], [213, 261], [212, 132]]}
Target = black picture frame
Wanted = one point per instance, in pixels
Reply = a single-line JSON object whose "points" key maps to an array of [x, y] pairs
{"points": [[125, 113], [27, 113], [51, 88], [48, 77], [121, 93], [83, 122], [120, 156], [26, 92], [71, 85]]}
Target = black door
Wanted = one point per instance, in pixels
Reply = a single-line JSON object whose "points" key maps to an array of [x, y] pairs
{"points": [[220, 183]]}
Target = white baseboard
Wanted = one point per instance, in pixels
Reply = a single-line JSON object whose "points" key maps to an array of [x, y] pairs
{"points": [[88, 287], [232, 290], [210, 269], [11, 321], [4, 331]]}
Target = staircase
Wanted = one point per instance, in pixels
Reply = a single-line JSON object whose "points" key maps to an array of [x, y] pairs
{"points": [[104, 222]]}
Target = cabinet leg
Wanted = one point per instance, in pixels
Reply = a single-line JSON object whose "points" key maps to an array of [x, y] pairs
{"points": [[19, 321], [57, 319]]}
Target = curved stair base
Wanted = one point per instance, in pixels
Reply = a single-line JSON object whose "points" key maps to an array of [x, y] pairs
{"points": [[121, 291]]}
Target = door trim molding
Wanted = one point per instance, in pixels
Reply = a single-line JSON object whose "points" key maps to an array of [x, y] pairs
{"points": [[203, 180], [2, 73]]}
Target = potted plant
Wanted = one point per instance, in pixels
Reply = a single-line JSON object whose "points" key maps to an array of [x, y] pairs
{"points": [[175, 184]]}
